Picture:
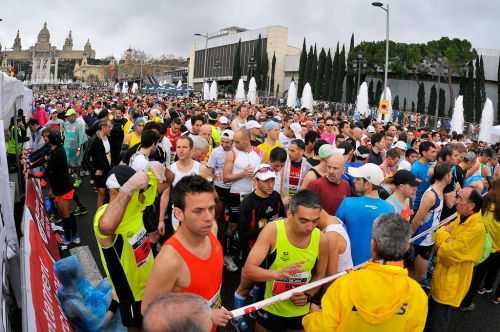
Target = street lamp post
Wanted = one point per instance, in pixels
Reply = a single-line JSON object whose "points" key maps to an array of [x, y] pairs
{"points": [[386, 9], [206, 53]]}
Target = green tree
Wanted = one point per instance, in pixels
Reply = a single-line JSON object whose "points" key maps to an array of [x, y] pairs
{"points": [[320, 76], [314, 71], [371, 94], [378, 92], [351, 74], [309, 66], [277, 89], [442, 103], [395, 103], [431, 109], [325, 83], [273, 70], [404, 104], [258, 63], [469, 95], [332, 93], [264, 73], [236, 68], [341, 75], [413, 107], [302, 69], [421, 98]]}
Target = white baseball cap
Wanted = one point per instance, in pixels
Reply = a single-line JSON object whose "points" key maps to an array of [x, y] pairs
{"points": [[223, 120], [370, 172], [370, 129], [264, 172], [228, 133], [400, 145], [252, 124]]}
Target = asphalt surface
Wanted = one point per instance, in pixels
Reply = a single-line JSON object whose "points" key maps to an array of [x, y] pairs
{"points": [[485, 317]]}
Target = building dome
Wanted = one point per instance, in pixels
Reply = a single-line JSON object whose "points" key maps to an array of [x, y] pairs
{"points": [[44, 34]]}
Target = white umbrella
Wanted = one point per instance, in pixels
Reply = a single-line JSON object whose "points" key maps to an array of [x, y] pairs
{"points": [[307, 97], [213, 91], [457, 119], [240, 91], [291, 99], [252, 91], [206, 91]]}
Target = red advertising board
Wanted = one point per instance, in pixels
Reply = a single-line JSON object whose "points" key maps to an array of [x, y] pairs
{"points": [[43, 312], [35, 204]]}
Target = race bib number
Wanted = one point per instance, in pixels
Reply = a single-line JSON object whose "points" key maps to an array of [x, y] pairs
{"points": [[294, 281], [141, 245], [215, 302]]}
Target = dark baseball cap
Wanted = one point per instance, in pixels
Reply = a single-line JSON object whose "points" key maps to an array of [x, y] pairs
{"points": [[118, 175], [405, 177]]}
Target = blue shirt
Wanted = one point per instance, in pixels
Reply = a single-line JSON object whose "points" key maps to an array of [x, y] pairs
{"points": [[358, 215], [421, 172]]}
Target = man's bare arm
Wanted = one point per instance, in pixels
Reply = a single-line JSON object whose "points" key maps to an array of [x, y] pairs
{"points": [[163, 276]]}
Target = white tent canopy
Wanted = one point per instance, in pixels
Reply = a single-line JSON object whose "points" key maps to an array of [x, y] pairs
{"points": [[13, 95]]}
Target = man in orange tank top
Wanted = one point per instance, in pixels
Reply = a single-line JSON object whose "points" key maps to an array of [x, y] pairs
{"points": [[191, 260]]}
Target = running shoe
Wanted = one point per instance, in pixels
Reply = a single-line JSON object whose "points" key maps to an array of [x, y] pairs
{"points": [[470, 307], [80, 211], [495, 300], [77, 183], [483, 290], [241, 325], [65, 240], [230, 264], [76, 239]]}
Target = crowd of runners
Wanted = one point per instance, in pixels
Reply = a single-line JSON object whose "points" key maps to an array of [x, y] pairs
{"points": [[186, 188]]}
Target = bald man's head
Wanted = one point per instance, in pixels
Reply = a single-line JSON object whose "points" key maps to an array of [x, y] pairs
{"points": [[335, 168], [177, 312], [242, 139]]}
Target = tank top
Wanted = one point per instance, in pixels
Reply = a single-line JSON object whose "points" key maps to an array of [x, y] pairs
{"points": [[205, 274], [241, 161], [287, 254], [180, 174], [134, 139], [345, 259], [431, 219]]}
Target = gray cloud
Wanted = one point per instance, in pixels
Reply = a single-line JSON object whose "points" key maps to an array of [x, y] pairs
{"points": [[166, 27]]}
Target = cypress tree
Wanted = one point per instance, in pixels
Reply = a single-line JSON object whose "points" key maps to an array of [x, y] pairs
{"points": [[309, 66], [314, 71], [482, 91], [325, 83], [404, 104], [258, 63], [478, 106], [264, 73], [431, 109], [236, 68], [462, 84], [302, 69], [395, 103], [413, 107], [341, 75], [350, 78], [273, 70], [442, 102], [320, 76], [277, 90], [378, 92], [469, 94], [421, 98], [371, 94], [332, 93]]}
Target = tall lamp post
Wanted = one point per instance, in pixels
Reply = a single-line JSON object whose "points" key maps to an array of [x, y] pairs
{"points": [[386, 9], [204, 35]]}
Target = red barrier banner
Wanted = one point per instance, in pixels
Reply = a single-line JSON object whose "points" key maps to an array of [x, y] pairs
{"points": [[43, 310], [35, 204]]}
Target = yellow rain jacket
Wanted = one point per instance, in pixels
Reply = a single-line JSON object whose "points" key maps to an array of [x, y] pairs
{"points": [[375, 298], [457, 252], [492, 227]]}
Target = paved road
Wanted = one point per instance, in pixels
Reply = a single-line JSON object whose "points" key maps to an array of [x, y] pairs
{"points": [[485, 318]]}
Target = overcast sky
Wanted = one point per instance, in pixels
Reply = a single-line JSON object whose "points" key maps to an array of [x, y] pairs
{"points": [[167, 27]]}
